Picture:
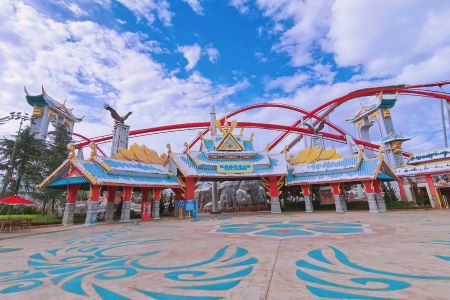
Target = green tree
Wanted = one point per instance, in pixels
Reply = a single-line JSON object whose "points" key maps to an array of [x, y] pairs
{"points": [[54, 155], [26, 168]]}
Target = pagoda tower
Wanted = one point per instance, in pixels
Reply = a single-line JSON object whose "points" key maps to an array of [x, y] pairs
{"points": [[380, 113], [46, 110]]}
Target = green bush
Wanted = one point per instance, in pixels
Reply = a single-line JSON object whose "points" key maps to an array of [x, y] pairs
{"points": [[37, 218]]}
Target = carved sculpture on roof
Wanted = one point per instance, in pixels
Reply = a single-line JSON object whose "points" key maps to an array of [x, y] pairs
{"points": [[225, 128], [71, 149], [117, 118], [93, 151], [141, 153], [316, 129], [314, 154]]}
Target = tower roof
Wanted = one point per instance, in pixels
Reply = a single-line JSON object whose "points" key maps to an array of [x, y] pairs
{"points": [[44, 99]]}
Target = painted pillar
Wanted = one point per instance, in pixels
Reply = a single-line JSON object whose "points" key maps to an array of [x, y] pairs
{"points": [[379, 196], [215, 199], [126, 205], [91, 214], [178, 196], [72, 191], [156, 203], [109, 210], [433, 190], [337, 189], [274, 195], [401, 188], [306, 190], [370, 192], [146, 208]]}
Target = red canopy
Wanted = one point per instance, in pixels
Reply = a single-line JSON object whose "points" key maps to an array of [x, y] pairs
{"points": [[16, 200]]}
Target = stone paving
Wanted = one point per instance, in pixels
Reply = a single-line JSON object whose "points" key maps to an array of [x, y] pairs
{"points": [[322, 255]]}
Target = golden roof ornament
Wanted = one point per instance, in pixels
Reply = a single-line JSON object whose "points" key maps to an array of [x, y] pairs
{"points": [[71, 148], [381, 153], [141, 153], [93, 151], [225, 128]]}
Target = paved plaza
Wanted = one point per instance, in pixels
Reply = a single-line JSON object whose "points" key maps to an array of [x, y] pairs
{"points": [[356, 255]]}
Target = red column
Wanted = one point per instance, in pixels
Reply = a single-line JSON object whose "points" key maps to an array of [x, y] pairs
{"points": [[368, 186], [95, 192], [157, 194], [273, 186], [337, 189], [190, 188], [433, 191], [306, 190], [127, 193], [401, 188], [146, 208], [377, 186], [111, 193], [72, 191]]}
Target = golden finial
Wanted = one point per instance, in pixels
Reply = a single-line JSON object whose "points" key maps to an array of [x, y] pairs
{"points": [[381, 153], [242, 131], [251, 136], [93, 151], [360, 151], [169, 149], [186, 150], [291, 159], [285, 149], [71, 149]]}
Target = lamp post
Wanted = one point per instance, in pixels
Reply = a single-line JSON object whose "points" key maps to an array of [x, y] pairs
{"points": [[9, 166]]}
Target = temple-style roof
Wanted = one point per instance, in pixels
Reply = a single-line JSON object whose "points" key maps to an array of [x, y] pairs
{"points": [[44, 99], [263, 164], [227, 155], [347, 169], [395, 137], [435, 161], [366, 110], [109, 171], [429, 156]]}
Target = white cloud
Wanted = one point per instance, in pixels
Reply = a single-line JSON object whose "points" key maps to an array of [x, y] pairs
{"points": [[382, 38], [150, 10], [310, 24], [212, 53], [74, 8], [192, 54], [288, 83], [89, 65], [195, 5], [241, 5], [318, 73]]}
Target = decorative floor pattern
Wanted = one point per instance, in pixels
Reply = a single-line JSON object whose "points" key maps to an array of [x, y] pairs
{"points": [[338, 268], [103, 257], [289, 229]]}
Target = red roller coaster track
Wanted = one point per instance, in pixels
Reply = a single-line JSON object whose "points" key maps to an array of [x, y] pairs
{"points": [[318, 114]]}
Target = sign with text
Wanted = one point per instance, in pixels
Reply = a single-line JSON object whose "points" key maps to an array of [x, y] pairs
{"points": [[234, 168]]}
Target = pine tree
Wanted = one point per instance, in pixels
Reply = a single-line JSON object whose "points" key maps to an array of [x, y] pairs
{"points": [[26, 168]]}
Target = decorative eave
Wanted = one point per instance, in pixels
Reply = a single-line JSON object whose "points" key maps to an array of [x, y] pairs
{"points": [[44, 99], [394, 138]]}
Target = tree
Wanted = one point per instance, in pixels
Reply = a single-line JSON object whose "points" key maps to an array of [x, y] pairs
{"points": [[54, 155], [26, 168]]}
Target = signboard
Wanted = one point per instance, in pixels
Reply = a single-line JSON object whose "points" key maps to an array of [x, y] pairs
{"points": [[441, 180], [234, 168], [190, 205]]}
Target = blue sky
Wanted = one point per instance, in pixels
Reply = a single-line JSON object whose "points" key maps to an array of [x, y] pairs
{"points": [[168, 61]]}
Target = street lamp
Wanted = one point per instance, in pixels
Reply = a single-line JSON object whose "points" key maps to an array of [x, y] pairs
{"points": [[13, 116]]}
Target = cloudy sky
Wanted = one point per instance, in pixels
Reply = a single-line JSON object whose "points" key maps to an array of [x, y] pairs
{"points": [[168, 61]]}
